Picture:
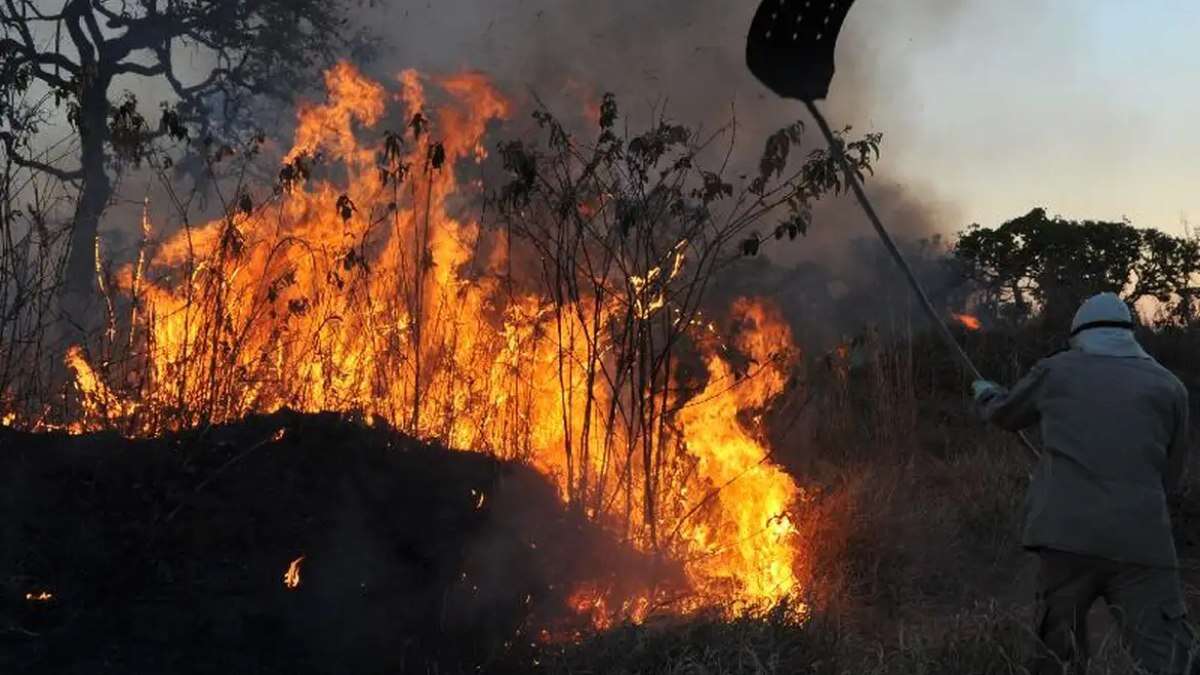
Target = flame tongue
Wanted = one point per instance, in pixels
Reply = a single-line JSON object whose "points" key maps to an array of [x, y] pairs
{"points": [[750, 540], [291, 578]]}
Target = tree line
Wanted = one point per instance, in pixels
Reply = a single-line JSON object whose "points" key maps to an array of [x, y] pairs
{"points": [[1040, 267]]}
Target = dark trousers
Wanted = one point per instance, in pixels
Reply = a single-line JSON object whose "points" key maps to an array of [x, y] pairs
{"points": [[1147, 603]]}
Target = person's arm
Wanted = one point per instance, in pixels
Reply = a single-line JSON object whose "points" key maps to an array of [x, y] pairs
{"points": [[1177, 451], [1016, 409]]}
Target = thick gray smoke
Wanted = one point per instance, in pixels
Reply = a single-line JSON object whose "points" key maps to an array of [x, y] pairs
{"points": [[687, 57]]}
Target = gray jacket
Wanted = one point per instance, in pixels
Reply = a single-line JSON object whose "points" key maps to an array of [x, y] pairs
{"points": [[1114, 433]]}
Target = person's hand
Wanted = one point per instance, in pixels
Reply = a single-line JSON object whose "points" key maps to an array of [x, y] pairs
{"points": [[982, 388]]}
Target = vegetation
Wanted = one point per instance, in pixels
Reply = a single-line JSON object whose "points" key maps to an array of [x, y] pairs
{"points": [[916, 563], [916, 560], [1043, 266], [85, 55], [596, 324], [630, 233]]}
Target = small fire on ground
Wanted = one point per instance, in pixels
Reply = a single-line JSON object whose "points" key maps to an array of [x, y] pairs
{"points": [[42, 596], [968, 321], [291, 578]]}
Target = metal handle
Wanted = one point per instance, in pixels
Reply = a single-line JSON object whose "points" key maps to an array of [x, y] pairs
{"points": [[890, 245]]}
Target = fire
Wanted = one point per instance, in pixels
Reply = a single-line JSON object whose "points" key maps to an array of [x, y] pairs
{"points": [[968, 321], [291, 578], [364, 285], [587, 97], [750, 536], [41, 596]]}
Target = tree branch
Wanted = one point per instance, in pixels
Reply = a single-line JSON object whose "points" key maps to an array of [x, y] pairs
{"points": [[139, 34], [185, 92], [114, 20], [89, 19], [33, 56], [25, 162], [140, 69], [38, 15], [87, 51]]}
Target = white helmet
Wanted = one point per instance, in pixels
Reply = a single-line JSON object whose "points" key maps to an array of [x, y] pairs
{"points": [[1103, 326], [1103, 310]]}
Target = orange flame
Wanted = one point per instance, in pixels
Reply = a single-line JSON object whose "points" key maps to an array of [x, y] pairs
{"points": [[377, 295], [42, 596], [968, 321], [750, 537], [291, 578]]}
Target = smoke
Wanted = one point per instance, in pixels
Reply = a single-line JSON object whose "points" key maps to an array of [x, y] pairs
{"points": [[684, 60], [687, 59]]}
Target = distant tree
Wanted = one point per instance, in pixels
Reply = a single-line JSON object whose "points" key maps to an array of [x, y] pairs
{"points": [[1166, 271], [76, 51], [1037, 265]]}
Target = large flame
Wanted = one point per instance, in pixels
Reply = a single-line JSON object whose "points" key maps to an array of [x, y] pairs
{"points": [[364, 286], [749, 531]]}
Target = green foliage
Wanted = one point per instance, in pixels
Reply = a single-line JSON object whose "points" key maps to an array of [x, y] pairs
{"points": [[1038, 264], [127, 130]]}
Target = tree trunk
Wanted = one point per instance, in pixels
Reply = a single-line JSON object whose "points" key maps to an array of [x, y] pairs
{"points": [[79, 284]]}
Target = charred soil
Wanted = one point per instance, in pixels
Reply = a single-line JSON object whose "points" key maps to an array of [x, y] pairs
{"points": [[169, 555]]}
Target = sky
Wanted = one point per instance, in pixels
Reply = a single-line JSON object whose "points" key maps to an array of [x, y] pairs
{"points": [[1089, 108], [988, 109]]}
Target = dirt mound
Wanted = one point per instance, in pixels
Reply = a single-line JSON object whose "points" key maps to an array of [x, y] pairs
{"points": [[169, 555]]}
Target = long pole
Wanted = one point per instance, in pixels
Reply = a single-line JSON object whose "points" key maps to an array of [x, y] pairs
{"points": [[890, 245]]}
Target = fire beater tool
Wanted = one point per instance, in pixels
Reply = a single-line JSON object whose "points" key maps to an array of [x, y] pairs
{"points": [[790, 49]]}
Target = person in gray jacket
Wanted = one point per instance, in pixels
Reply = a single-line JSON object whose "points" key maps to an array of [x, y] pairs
{"points": [[1114, 427]]}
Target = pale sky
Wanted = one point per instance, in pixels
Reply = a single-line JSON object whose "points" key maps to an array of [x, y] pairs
{"points": [[1088, 107]]}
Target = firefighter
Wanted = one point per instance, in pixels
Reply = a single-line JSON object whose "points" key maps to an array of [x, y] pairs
{"points": [[1114, 427]]}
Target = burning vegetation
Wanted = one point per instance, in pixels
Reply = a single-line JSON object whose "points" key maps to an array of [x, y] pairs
{"points": [[441, 382], [559, 320]]}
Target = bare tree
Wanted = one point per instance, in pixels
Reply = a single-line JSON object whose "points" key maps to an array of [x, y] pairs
{"points": [[79, 52]]}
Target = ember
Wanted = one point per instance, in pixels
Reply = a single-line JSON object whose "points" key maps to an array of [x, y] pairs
{"points": [[42, 596], [969, 322]]}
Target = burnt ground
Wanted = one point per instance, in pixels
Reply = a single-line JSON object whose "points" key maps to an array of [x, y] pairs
{"points": [[168, 555]]}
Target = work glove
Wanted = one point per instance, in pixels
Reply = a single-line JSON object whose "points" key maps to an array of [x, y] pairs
{"points": [[984, 389]]}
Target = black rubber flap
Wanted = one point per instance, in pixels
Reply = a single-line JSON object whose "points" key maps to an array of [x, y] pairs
{"points": [[791, 43]]}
